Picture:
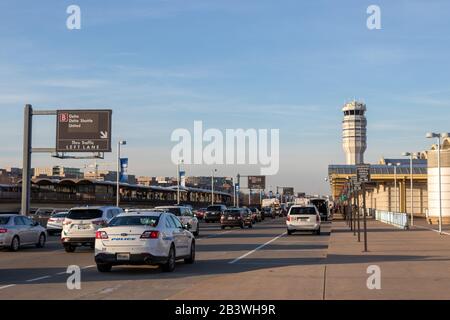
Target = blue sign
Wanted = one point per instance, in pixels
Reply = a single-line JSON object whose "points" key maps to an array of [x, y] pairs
{"points": [[237, 186], [183, 178], [123, 176]]}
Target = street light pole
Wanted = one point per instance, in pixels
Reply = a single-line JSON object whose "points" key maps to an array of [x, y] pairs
{"points": [[212, 186], [121, 142], [411, 177], [178, 182]]}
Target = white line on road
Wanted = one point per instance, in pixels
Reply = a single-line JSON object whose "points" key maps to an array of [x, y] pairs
{"points": [[87, 267], [7, 286], [37, 279], [214, 235], [256, 249], [61, 273]]}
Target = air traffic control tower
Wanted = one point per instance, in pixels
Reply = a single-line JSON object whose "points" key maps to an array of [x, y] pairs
{"points": [[354, 139]]}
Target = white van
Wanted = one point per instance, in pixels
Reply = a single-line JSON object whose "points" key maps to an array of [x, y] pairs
{"points": [[303, 218]]}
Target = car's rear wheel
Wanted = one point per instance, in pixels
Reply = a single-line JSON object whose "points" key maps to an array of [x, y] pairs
{"points": [[250, 225], [104, 267], [191, 258], [289, 232], [242, 225], [15, 244], [169, 266], [318, 232], [222, 227], [41, 241], [69, 248]]}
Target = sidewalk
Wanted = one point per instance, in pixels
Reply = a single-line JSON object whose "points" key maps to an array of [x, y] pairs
{"points": [[414, 264]]}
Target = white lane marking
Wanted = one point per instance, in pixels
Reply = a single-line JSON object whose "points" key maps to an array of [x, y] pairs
{"points": [[215, 235], [87, 267], [61, 273], [7, 286], [256, 249], [37, 279]]}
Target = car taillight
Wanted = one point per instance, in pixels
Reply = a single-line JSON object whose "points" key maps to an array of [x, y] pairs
{"points": [[101, 235], [317, 218], [66, 221], [3, 230], [150, 235], [51, 220], [288, 218]]}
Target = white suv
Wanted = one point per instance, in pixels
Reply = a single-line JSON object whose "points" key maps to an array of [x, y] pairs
{"points": [[303, 218], [81, 223], [186, 216]]}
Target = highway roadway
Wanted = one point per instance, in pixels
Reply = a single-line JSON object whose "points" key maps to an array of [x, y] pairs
{"points": [[258, 263]]}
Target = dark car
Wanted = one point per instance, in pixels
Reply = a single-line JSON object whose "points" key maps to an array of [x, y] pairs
{"points": [[268, 212], [236, 217], [214, 212], [322, 206]]}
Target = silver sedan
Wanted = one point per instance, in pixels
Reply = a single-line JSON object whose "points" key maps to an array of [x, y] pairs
{"points": [[17, 230]]}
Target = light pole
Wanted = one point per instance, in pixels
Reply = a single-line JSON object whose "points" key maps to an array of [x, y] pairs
{"points": [[411, 155], [212, 186], [438, 136], [120, 143], [234, 192], [178, 180], [395, 184]]}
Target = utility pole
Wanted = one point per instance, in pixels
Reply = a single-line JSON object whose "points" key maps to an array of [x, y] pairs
{"points": [[26, 166]]}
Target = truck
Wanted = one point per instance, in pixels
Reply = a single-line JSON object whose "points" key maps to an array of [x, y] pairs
{"points": [[274, 203]]}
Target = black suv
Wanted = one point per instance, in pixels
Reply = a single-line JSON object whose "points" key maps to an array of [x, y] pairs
{"points": [[236, 217], [214, 212]]}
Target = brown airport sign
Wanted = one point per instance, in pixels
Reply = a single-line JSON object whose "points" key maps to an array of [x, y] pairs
{"points": [[257, 182], [83, 130]]}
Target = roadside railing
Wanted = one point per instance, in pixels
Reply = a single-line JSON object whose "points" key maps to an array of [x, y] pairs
{"points": [[397, 219]]}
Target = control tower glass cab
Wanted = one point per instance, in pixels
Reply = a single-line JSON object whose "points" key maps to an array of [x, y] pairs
{"points": [[354, 129]]}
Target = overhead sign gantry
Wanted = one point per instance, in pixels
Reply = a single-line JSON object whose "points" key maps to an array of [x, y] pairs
{"points": [[76, 131]]}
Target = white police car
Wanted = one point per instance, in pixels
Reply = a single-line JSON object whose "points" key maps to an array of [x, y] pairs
{"points": [[144, 237]]}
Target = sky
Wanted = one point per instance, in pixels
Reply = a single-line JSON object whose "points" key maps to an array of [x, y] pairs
{"points": [[264, 64]]}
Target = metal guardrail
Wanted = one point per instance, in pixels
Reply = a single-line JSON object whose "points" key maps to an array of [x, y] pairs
{"points": [[397, 219]]}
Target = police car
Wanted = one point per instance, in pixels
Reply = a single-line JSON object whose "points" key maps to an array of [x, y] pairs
{"points": [[144, 237]]}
